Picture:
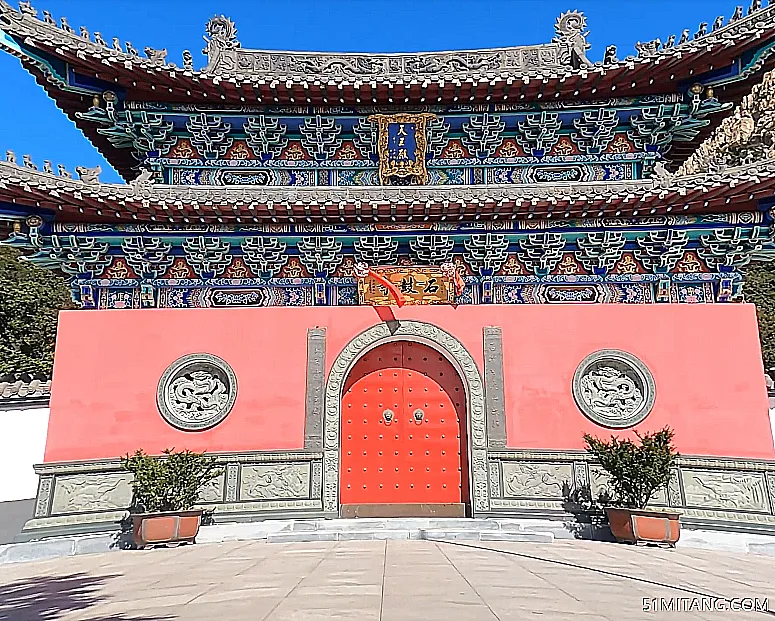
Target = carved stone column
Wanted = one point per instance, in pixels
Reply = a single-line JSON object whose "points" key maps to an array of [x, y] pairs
{"points": [[316, 373], [493, 388]]}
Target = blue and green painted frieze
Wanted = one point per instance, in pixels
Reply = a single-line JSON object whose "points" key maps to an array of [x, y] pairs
{"points": [[467, 144], [688, 258]]}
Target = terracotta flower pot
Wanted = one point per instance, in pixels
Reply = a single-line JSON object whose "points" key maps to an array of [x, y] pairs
{"points": [[163, 528], [644, 525]]}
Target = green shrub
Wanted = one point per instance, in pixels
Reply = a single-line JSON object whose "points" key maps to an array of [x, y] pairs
{"points": [[637, 471], [170, 482], [759, 289], [30, 300]]}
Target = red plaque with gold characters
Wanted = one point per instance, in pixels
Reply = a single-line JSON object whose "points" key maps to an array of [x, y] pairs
{"points": [[387, 286]]}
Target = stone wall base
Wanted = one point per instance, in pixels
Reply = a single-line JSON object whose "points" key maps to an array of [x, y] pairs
{"points": [[710, 493]]}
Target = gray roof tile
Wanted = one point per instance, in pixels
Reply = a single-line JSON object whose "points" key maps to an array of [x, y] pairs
{"points": [[21, 388]]}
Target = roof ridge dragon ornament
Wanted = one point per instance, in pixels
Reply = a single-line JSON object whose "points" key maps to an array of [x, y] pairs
{"points": [[222, 34], [571, 30]]}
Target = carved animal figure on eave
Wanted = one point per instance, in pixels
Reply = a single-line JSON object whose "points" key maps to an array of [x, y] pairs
{"points": [[89, 175]]}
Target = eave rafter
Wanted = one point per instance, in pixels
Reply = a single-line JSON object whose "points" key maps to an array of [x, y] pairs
{"points": [[734, 189]]}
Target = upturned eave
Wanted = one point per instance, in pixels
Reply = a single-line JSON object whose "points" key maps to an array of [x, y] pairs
{"points": [[738, 189], [661, 69]]}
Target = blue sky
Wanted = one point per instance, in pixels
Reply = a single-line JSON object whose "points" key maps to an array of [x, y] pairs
{"points": [[31, 123]]}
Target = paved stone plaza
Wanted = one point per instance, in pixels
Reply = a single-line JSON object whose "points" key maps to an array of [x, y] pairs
{"points": [[381, 580]]}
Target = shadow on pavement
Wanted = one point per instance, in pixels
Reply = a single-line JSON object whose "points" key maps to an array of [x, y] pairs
{"points": [[47, 598], [589, 519], [677, 587]]}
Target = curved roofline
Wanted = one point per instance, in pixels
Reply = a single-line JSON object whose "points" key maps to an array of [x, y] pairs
{"points": [[746, 45], [743, 186], [564, 56], [723, 162]]}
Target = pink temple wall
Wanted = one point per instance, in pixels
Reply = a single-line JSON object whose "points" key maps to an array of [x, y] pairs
{"points": [[705, 360]]}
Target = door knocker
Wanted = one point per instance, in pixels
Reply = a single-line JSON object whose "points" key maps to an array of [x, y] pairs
{"points": [[418, 416], [388, 416]]}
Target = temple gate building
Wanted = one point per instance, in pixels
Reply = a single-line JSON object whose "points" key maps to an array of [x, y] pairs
{"points": [[394, 284]]}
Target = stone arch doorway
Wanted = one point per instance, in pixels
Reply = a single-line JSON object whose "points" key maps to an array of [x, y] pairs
{"points": [[404, 440], [462, 361]]}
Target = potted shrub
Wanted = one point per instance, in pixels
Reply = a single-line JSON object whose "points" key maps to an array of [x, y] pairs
{"points": [[165, 490], [637, 472]]}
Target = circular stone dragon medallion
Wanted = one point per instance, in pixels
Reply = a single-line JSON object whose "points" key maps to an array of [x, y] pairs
{"points": [[613, 388], [196, 392]]}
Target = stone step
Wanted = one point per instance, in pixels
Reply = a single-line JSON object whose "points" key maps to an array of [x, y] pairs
{"points": [[302, 536], [56, 547], [435, 534], [505, 535], [767, 549], [343, 535], [394, 524], [429, 534], [241, 531], [486, 535], [536, 531], [376, 535]]}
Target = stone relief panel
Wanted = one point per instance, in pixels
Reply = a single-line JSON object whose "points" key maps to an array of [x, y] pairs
{"points": [[479, 480], [613, 388], [44, 496], [212, 491], [495, 479], [92, 492], [232, 474], [674, 493], [275, 481], [725, 490], [771, 486], [536, 480], [196, 392], [599, 486], [580, 475], [317, 479], [598, 482]]}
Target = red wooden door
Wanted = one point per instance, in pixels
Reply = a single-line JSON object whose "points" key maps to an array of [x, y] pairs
{"points": [[403, 429]]}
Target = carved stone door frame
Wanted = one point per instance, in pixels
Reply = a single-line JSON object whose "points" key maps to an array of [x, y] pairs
{"points": [[460, 358]]}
